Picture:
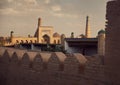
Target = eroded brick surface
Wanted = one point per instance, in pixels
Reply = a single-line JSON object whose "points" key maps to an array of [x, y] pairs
{"points": [[112, 53], [50, 69]]}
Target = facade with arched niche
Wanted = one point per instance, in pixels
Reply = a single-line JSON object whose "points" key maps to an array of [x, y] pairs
{"points": [[43, 35]]}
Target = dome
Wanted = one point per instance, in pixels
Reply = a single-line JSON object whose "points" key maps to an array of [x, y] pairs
{"points": [[56, 35], [63, 35], [101, 32]]}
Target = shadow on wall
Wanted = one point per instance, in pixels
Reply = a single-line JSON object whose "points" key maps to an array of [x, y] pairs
{"points": [[57, 61]]}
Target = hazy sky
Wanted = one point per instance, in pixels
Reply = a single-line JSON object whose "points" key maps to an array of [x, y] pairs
{"points": [[65, 16]]}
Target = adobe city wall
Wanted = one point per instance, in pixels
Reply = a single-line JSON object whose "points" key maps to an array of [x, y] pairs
{"points": [[112, 51], [22, 67]]}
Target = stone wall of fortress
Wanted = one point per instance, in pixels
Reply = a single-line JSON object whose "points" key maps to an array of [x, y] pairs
{"points": [[22, 67]]}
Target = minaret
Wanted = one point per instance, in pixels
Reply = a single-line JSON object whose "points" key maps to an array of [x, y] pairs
{"points": [[39, 30], [87, 31], [39, 22], [11, 36]]}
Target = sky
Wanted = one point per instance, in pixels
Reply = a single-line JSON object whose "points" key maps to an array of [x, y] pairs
{"points": [[66, 16]]}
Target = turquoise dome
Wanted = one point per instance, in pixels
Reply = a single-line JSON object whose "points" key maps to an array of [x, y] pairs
{"points": [[101, 32]]}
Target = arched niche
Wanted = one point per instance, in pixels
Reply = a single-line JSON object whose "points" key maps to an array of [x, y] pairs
{"points": [[56, 61], [25, 61], [22, 41], [14, 59], [31, 41], [5, 57], [14, 66], [17, 41], [4, 63], [26, 41], [38, 63], [53, 62], [54, 41], [45, 57], [58, 42], [46, 38]]}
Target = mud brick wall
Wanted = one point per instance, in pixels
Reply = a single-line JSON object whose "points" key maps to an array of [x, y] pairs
{"points": [[21, 67], [112, 53]]}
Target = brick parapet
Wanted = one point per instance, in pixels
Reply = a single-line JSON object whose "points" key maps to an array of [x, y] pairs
{"points": [[19, 69]]}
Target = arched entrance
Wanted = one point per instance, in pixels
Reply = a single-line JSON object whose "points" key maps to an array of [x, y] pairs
{"points": [[46, 39]]}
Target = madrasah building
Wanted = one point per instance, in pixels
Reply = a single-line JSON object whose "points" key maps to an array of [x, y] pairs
{"points": [[43, 35]]}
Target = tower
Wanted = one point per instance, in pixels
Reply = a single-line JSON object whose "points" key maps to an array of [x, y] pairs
{"points": [[72, 35], [101, 42], [11, 36], [39, 22], [87, 31], [38, 30], [112, 47], [63, 40]]}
